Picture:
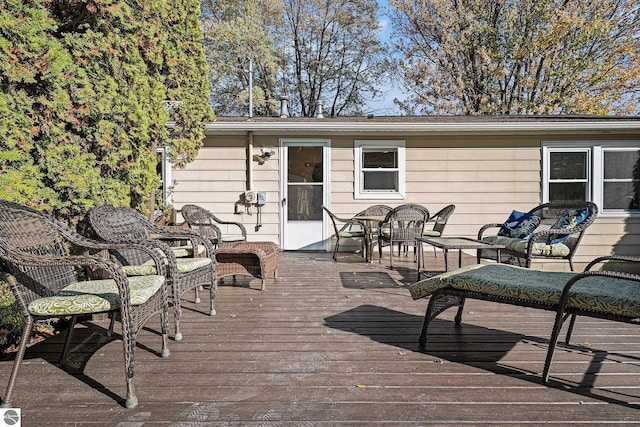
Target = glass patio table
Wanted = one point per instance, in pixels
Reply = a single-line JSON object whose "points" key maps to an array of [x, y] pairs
{"points": [[447, 243]]}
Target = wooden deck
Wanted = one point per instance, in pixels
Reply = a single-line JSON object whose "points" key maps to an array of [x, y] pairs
{"points": [[336, 344]]}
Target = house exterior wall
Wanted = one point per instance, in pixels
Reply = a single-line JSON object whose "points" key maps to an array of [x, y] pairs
{"points": [[217, 180], [486, 177]]}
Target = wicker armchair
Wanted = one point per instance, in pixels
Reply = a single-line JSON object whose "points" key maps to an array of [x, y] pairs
{"points": [[345, 231], [48, 282], [207, 224], [538, 245], [126, 225], [401, 226], [439, 220]]}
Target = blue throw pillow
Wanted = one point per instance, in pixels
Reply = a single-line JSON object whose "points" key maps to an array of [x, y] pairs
{"points": [[567, 221], [519, 225]]}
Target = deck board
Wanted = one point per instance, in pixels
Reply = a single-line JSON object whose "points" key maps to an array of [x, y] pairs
{"points": [[336, 344]]}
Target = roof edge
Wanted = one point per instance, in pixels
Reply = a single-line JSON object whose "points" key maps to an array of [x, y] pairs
{"points": [[411, 127]]}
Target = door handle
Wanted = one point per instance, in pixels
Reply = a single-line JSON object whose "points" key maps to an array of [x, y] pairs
{"points": [[283, 202]]}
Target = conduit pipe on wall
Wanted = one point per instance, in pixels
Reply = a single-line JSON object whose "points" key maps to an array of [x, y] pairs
{"points": [[249, 160]]}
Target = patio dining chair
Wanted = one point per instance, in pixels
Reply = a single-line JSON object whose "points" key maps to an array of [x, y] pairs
{"points": [[401, 226], [439, 220], [344, 232], [207, 224], [50, 282], [124, 224]]}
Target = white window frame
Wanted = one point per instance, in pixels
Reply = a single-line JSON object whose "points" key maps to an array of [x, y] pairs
{"points": [[547, 170], [359, 192], [595, 173], [602, 150]]}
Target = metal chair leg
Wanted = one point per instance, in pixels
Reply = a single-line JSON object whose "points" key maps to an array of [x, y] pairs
{"points": [[26, 334]]}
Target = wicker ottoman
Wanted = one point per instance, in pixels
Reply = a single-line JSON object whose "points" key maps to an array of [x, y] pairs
{"points": [[256, 259]]}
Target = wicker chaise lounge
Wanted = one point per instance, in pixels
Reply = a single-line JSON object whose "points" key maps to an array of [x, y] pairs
{"points": [[611, 295], [126, 225], [48, 282]]}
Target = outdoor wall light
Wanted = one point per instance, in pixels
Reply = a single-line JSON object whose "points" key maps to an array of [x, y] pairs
{"points": [[266, 153]]}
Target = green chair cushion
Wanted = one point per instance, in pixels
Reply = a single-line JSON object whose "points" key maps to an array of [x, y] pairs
{"points": [[186, 251], [229, 238], [597, 293], [353, 233], [431, 233], [233, 238], [95, 296], [539, 248], [185, 265]]}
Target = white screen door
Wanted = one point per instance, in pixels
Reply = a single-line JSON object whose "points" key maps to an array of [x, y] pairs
{"points": [[304, 183]]}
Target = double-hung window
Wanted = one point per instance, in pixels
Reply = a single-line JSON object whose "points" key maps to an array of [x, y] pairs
{"points": [[379, 169], [607, 173], [568, 175]]}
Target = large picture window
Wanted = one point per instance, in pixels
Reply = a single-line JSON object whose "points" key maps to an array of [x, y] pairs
{"points": [[607, 173], [380, 169]]}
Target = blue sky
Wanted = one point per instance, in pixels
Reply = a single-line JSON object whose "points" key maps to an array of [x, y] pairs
{"points": [[385, 106]]}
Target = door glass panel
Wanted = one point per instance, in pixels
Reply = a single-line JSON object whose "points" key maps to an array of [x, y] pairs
{"points": [[304, 203], [305, 164], [304, 187]]}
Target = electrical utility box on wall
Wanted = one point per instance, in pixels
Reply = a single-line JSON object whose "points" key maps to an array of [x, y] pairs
{"points": [[262, 198], [249, 197]]}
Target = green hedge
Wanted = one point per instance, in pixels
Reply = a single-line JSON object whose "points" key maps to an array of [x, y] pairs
{"points": [[11, 319]]}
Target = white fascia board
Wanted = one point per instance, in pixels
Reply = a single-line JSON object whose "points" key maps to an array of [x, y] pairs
{"points": [[412, 128]]}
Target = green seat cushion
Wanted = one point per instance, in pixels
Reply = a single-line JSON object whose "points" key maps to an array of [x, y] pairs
{"points": [[95, 296], [185, 265], [233, 238], [597, 293], [539, 248], [499, 240], [431, 233], [186, 251], [229, 238], [353, 233]]}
